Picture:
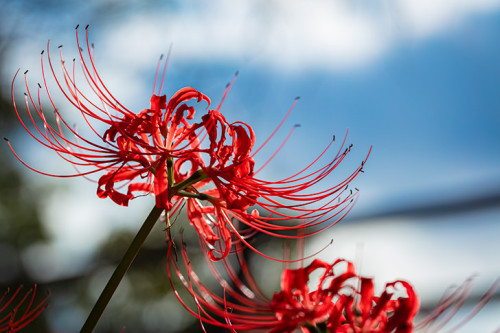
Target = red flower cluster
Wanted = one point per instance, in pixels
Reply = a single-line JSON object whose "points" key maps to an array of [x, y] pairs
{"points": [[206, 166], [17, 311], [342, 301]]}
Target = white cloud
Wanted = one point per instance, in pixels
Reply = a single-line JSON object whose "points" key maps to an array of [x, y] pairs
{"points": [[421, 18], [287, 33]]}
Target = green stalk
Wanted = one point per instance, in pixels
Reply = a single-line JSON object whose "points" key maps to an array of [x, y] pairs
{"points": [[197, 176], [120, 271]]}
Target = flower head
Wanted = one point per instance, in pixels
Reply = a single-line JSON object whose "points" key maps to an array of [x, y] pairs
{"points": [[204, 163], [17, 311]]}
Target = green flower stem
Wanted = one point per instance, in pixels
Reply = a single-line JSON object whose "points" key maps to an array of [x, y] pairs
{"points": [[120, 270], [201, 196], [197, 176]]}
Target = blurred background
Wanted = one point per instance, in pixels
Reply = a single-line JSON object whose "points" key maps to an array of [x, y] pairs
{"points": [[418, 80]]}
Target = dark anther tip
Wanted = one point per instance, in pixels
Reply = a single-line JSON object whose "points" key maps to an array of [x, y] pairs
{"points": [[237, 72], [42, 52], [6, 139], [39, 85], [76, 28], [26, 72], [297, 98], [87, 26], [59, 46], [296, 125], [25, 94], [161, 56], [74, 59], [92, 45]]}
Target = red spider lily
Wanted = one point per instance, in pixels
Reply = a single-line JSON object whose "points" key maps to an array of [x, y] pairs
{"points": [[205, 166], [341, 302], [17, 311]]}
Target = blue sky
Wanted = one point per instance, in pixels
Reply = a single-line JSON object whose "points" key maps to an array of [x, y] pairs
{"points": [[417, 80]]}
